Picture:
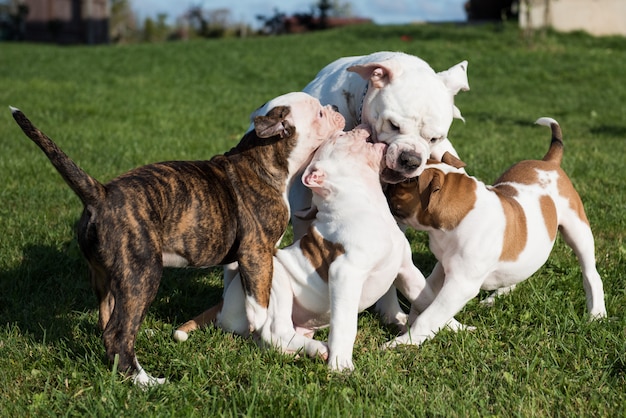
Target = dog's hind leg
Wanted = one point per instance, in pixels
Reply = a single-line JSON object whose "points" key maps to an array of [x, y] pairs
{"points": [[577, 234], [102, 288], [204, 319], [491, 299], [134, 289]]}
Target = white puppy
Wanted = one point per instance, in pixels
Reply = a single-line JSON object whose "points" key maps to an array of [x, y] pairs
{"points": [[493, 237], [352, 253]]}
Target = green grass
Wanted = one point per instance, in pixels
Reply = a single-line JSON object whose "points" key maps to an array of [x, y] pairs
{"points": [[113, 108]]}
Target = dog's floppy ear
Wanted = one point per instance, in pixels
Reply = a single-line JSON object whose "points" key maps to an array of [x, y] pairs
{"points": [[452, 160], [428, 184], [378, 73], [275, 123]]}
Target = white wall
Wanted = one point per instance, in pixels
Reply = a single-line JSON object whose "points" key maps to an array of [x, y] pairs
{"points": [[598, 17]]}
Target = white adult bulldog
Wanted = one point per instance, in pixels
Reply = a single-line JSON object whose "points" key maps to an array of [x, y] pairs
{"points": [[407, 105]]}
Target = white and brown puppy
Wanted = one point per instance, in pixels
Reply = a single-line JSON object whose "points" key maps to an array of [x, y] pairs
{"points": [[492, 237], [350, 256], [190, 213]]}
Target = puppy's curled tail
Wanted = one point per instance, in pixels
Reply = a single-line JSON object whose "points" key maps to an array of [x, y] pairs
{"points": [[555, 153], [88, 189]]}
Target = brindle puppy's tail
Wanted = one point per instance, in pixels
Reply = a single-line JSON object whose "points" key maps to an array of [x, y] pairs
{"points": [[88, 189], [555, 153]]}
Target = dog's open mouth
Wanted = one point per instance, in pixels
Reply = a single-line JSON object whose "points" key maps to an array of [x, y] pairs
{"points": [[392, 176]]}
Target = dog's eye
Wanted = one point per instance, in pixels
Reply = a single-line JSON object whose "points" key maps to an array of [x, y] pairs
{"points": [[435, 140], [393, 126], [321, 114]]}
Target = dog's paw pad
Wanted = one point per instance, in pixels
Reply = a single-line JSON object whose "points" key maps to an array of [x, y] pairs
{"points": [[180, 336]]}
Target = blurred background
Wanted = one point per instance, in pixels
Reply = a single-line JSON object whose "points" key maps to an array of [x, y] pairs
{"points": [[130, 21]]}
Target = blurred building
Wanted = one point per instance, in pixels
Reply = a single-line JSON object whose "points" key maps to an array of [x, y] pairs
{"points": [[60, 21], [597, 17]]}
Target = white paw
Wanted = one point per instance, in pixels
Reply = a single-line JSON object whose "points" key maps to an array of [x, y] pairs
{"points": [[598, 315], [256, 314], [180, 336], [456, 326], [338, 365], [144, 381]]}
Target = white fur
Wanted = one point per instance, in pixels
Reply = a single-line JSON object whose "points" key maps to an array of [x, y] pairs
{"points": [[353, 212], [419, 101]]}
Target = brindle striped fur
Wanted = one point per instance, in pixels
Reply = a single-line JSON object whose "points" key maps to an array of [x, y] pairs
{"points": [[178, 213]]}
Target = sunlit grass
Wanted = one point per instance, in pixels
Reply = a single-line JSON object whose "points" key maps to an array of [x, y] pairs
{"points": [[114, 108]]}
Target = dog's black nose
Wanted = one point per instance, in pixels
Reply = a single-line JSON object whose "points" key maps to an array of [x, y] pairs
{"points": [[409, 161], [335, 108]]}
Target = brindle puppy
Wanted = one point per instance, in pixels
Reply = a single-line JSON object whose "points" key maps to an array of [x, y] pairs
{"points": [[190, 213]]}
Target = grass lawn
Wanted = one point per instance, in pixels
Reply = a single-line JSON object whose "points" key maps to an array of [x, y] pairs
{"points": [[112, 108]]}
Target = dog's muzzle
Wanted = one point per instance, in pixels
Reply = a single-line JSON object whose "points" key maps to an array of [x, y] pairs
{"points": [[409, 161], [407, 165]]}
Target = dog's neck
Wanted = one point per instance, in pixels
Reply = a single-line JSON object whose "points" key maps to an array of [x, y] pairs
{"points": [[266, 155], [359, 116]]}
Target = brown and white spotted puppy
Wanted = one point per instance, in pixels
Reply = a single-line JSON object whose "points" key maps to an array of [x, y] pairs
{"points": [[493, 237], [190, 213]]}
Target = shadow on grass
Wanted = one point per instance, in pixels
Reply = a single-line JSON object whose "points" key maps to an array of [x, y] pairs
{"points": [[49, 292], [612, 131]]}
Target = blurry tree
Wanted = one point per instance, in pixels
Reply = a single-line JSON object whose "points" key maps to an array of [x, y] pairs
{"points": [[156, 31], [340, 8], [273, 25], [280, 23], [209, 23], [122, 22]]}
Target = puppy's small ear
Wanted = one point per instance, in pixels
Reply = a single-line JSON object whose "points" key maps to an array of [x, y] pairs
{"points": [[452, 160], [456, 113], [428, 184], [455, 78], [314, 178], [274, 123]]}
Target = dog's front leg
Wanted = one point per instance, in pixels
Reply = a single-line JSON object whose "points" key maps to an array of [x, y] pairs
{"points": [[278, 330], [256, 271], [434, 283], [454, 294], [345, 294], [388, 307]]}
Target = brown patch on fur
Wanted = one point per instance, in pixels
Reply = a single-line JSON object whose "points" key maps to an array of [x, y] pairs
{"points": [[515, 230], [205, 318], [548, 211], [451, 160], [320, 252], [506, 190], [436, 199], [445, 198], [566, 190], [404, 199]]}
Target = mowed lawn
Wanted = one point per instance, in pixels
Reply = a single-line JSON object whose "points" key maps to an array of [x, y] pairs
{"points": [[112, 108]]}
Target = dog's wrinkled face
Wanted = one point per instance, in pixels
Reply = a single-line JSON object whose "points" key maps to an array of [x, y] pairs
{"points": [[345, 155], [409, 110], [313, 122]]}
